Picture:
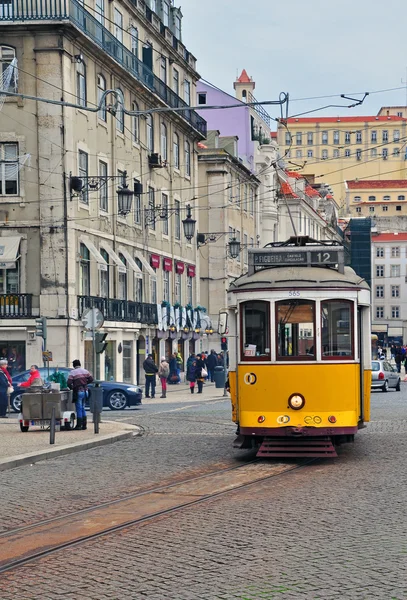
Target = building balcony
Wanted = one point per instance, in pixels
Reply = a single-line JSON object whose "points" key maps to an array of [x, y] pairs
{"points": [[71, 11], [120, 310], [15, 306]]}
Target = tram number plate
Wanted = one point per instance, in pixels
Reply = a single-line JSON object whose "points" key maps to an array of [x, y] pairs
{"points": [[325, 257]]}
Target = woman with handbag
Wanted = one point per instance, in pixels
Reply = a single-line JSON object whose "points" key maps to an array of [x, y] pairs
{"points": [[163, 373], [201, 373]]}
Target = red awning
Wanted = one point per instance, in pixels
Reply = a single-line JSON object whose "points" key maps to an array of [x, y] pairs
{"points": [[155, 261], [179, 267], [191, 270], [167, 264]]}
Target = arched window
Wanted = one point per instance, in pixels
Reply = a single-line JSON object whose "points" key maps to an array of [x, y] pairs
{"points": [[244, 95], [150, 133], [7, 53], [175, 149], [187, 148], [357, 199], [386, 198], [372, 198], [101, 88], [81, 83], [400, 198], [122, 291], [84, 270], [136, 124], [163, 141], [104, 275], [255, 326], [120, 113]]}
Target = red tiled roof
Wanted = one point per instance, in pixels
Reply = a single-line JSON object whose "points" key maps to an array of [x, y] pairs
{"points": [[390, 237], [310, 191], [381, 184], [288, 190], [244, 78], [345, 119], [294, 174]]}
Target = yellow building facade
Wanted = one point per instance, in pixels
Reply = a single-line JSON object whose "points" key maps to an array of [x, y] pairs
{"points": [[336, 149], [376, 198]]}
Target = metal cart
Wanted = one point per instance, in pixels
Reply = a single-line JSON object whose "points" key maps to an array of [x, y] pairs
{"points": [[37, 406]]}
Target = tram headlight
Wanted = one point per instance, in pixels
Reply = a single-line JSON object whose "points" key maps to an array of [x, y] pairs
{"points": [[332, 419], [296, 401], [261, 419]]}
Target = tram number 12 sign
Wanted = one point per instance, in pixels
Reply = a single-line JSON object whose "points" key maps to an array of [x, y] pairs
{"points": [[301, 256], [325, 257]]}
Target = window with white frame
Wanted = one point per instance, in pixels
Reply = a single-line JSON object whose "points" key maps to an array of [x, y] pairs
{"points": [[187, 91], [373, 136], [395, 291], [177, 26], [372, 198], [395, 252], [371, 209], [137, 202], [310, 153], [166, 286], [178, 290], [103, 189], [385, 136], [9, 181], [187, 149], [104, 276], [122, 288], [358, 154], [177, 222], [401, 198], [163, 69], [380, 252], [175, 81], [83, 173], [164, 211], [230, 188], [138, 283], [347, 153], [379, 270], [150, 133], [396, 151], [386, 198], [120, 112], [298, 138], [101, 83], [347, 137], [380, 291], [81, 83], [190, 281], [164, 154], [336, 137], [238, 192], [358, 209], [396, 135], [245, 249], [151, 206], [358, 137], [251, 205], [324, 137], [324, 154], [310, 138], [100, 11], [336, 153], [237, 235], [175, 149], [373, 152], [166, 13], [385, 153], [298, 154], [287, 138], [395, 271], [84, 270], [357, 198], [118, 25], [395, 312], [153, 290], [134, 40], [7, 53], [379, 312], [136, 124], [385, 208]]}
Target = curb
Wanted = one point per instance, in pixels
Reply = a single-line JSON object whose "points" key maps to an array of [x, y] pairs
{"points": [[27, 459]]}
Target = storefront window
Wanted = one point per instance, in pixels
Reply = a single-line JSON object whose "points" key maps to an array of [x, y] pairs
{"points": [[127, 360], [296, 330], [256, 331], [336, 317], [14, 353], [110, 361]]}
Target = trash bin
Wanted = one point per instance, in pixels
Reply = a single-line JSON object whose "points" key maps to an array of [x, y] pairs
{"points": [[96, 399], [219, 374]]}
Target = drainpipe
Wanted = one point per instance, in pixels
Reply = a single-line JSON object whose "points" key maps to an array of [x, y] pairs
{"points": [[64, 175]]}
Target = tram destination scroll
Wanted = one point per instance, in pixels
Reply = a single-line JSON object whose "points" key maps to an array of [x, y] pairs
{"points": [[320, 256]]}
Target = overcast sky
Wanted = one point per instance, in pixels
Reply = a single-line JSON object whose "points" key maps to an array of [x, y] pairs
{"points": [[304, 47]]}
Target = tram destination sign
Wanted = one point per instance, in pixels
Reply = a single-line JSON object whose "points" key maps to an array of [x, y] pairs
{"points": [[303, 256]]}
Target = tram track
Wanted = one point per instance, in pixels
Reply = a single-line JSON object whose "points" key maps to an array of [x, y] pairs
{"points": [[29, 543]]}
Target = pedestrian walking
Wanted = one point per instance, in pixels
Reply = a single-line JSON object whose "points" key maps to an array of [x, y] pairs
{"points": [[398, 358], [4, 385], [191, 375], [3, 367], [211, 363], [163, 373], [78, 381], [200, 372], [150, 369], [180, 362], [173, 377]]}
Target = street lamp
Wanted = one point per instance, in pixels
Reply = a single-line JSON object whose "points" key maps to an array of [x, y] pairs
{"points": [[234, 247], [209, 330], [189, 224], [173, 328], [124, 198], [85, 184]]}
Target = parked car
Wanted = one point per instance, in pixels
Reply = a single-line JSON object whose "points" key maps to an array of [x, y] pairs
{"points": [[384, 376], [116, 396]]}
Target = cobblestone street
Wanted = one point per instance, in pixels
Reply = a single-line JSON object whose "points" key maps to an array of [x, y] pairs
{"points": [[333, 529]]}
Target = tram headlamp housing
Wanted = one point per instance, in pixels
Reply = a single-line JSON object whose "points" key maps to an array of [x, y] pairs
{"points": [[296, 401], [261, 419], [332, 419]]}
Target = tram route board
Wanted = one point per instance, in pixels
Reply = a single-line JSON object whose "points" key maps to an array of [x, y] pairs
{"points": [[323, 256]]}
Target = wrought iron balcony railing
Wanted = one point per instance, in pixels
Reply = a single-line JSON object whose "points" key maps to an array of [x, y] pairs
{"points": [[74, 12], [15, 306], [120, 310]]}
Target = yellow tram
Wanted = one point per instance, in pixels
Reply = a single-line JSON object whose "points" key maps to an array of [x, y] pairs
{"points": [[299, 350]]}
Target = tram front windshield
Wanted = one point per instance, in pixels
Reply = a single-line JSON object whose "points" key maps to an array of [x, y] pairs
{"points": [[296, 329]]}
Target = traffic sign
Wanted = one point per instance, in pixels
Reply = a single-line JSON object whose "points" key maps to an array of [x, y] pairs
{"points": [[92, 318], [46, 355]]}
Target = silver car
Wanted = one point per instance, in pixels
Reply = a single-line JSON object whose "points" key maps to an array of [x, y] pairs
{"points": [[384, 376]]}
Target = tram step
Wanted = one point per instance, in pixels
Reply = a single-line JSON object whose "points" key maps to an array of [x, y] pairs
{"points": [[297, 448]]}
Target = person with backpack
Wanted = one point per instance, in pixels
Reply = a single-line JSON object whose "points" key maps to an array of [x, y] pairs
{"points": [[150, 369], [163, 373]]}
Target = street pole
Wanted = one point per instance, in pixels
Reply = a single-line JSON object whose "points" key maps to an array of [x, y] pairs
{"points": [[225, 373]]}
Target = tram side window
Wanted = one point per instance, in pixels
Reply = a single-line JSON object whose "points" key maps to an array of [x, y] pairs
{"points": [[336, 326], [295, 330], [256, 331]]}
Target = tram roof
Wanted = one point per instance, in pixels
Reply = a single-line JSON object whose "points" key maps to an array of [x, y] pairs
{"points": [[300, 277]]}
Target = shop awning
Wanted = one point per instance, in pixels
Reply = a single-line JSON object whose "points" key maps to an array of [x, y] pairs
{"points": [[9, 251], [155, 261], [191, 270], [382, 328], [179, 267], [395, 331], [115, 258], [132, 264], [167, 264], [145, 264], [94, 252]]}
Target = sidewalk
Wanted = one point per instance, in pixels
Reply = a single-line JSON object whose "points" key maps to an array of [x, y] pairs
{"points": [[17, 448], [180, 392]]}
